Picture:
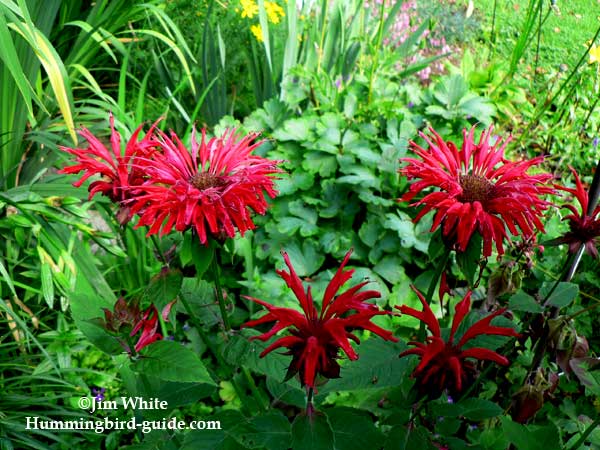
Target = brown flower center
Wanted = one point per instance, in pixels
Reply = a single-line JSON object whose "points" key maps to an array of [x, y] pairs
{"points": [[206, 180], [475, 188]]}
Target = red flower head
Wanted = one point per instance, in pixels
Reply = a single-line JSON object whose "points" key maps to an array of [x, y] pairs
{"points": [[117, 170], [444, 364], [584, 226], [212, 188], [149, 326], [479, 190], [127, 316], [315, 337]]}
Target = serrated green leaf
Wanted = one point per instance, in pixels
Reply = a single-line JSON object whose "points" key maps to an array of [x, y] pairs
{"points": [[468, 261], [478, 409], [378, 366], [312, 433], [354, 429], [564, 294], [172, 361], [163, 287], [522, 301]]}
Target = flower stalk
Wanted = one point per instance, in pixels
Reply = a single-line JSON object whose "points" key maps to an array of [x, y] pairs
{"points": [[216, 272]]}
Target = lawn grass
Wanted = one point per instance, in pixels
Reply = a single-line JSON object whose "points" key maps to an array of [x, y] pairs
{"points": [[564, 36]]}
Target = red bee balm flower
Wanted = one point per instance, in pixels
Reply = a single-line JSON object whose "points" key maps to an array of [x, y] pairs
{"points": [[317, 337], [212, 188], [584, 227], [116, 168], [479, 190], [149, 326], [444, 364]]}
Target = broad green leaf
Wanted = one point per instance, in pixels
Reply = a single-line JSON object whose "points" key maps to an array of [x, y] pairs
{"points": [[531, 437], [306, 259], [403, 225], [468, 261], [221, 433], [354, 429], [172, 361], [312, 433], [477, 409], [163, 287], [86, 308], [273, 431], [401, 437], [522, 301], [390, 268], [587, 370], [378, 366], [295, 130], [563, 295], [320, 162]]}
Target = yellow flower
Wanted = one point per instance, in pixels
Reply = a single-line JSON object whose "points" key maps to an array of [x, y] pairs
{"points": [[594, 54], [249, 8], [257, 32], [274, 12]]}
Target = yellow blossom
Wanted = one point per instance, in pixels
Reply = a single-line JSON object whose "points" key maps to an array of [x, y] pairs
{"points": [[257, 32], [274, 12], [249, 8], [594, 54]]}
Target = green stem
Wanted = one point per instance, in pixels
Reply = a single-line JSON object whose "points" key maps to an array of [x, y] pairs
{"points": [[376, 55], [547, 104], [159, 250], [216, 270], [432, 284], [585, 434], [201, 331], [255, 391]]}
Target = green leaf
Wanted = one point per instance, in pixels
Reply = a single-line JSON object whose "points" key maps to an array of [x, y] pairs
{"points": [[288, 393], [390, 268], [172, 361], [522, 301], [401, 437], [295, 130], [312, 433], [231, 424], [587, 370], [85, 308], [200, 296], [531, 437], [354, 429], [272, 431], [378, 366], [403, 225], [163, 287], [477, 409], [306, 259], [468, 261], [319, 162], [563, 295], [202, 255], [47, 284]]}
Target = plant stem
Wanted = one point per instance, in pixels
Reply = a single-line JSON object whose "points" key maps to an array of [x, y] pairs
{"points": [[158, 249], [255, 392], [218, 289], [547, 104], [585, 434], [201, 332], [432, 284], [376, 55]]}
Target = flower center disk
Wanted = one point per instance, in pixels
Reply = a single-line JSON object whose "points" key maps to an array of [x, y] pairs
{"points": [[206, 180], [475, 188]]}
